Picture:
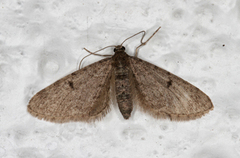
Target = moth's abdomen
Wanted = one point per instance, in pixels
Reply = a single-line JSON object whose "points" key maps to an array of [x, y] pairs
{"points": [[122, 85]]}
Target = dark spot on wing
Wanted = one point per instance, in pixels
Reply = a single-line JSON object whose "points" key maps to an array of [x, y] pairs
{"points": [[169, 83], [70, 83]]}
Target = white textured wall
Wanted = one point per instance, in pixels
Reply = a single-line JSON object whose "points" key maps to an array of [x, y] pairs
{"points": [[43, 40]]}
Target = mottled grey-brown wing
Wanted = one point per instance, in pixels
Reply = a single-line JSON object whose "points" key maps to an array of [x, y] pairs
{"points": [[165, 95], [80, 96]]}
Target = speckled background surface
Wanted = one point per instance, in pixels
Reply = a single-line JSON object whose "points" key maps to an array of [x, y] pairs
{"points": [[43, 40]]}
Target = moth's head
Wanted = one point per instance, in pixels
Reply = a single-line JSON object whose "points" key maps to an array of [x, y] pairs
{"points": [[119, 48]]}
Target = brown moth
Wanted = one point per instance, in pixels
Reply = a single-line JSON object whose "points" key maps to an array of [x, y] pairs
{"points": [[84, 95]]}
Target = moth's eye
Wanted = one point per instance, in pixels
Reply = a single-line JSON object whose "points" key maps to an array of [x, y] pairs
{"points": [[123, 48], [114, 49]]}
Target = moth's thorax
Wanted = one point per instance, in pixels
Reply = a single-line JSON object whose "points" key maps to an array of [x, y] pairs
{"points": [[122, 81], [120, 58]]}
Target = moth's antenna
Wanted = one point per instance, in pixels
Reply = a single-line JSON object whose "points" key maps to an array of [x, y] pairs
{"points": [[132, 36], [136, 51], [143, 43], [94, 53]]}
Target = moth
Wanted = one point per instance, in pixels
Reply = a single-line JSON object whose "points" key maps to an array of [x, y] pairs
{"points": [[85, 94]]}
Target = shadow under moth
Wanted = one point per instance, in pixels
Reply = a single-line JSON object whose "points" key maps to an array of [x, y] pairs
{"points": [[85, 94]]}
